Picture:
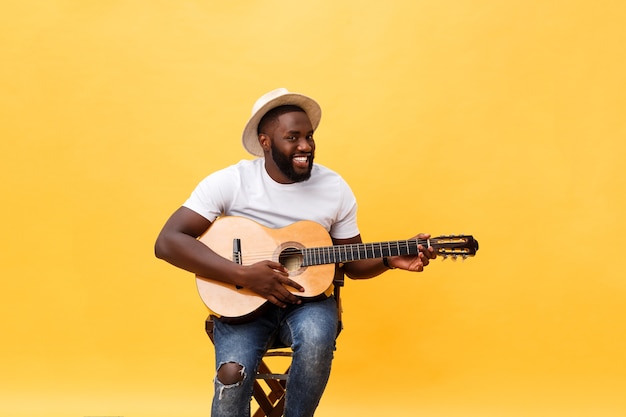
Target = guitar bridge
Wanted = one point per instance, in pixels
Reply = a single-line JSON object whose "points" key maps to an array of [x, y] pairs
{"points": [[237, 255]]}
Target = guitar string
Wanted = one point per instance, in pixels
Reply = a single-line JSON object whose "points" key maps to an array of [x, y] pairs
{"points": [[352, 252], [365, 247], [349, 249]]}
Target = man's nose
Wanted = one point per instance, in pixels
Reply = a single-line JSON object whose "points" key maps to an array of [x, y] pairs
{"points": [[305, 145]]}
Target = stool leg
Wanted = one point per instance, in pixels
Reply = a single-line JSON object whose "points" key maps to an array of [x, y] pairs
{"points": [[272, 403]]}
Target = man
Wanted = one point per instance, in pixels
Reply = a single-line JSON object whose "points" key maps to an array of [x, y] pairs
{"points": [[277, 189]]}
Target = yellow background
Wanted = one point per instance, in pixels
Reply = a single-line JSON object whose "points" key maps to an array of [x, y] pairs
{"points": [[501, 119]]}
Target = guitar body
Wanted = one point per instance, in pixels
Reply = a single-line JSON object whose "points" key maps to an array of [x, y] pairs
{"points": [[261, 243]]}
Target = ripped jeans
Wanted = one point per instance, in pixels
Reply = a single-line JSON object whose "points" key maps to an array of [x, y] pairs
{"points": [[309, 328]]}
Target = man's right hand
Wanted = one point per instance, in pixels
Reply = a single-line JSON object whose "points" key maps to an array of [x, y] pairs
{"points": [[269, 279]]}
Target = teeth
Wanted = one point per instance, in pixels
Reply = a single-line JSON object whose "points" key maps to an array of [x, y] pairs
{"points": [[301, 158]]}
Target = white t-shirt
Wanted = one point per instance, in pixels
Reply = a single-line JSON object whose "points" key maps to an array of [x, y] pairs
{"points": [[245, 189]]}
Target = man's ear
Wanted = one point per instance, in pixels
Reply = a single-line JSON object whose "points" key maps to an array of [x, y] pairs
{"points": [[265, 142]]}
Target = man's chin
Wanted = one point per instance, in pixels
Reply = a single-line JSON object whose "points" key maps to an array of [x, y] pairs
{"points": [[299, 175], [302, 177]]}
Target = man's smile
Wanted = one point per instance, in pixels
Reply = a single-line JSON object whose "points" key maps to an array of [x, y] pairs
{"points": [[301, 160]]}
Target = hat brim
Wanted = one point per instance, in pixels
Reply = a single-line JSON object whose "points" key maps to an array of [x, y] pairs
{"points": [[250, 138]]}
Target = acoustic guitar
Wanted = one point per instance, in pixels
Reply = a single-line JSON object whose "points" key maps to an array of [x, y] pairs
{"points": [[305, 249]]}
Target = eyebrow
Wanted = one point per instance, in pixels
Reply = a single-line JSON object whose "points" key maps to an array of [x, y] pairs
{"points": [[297, 132]]}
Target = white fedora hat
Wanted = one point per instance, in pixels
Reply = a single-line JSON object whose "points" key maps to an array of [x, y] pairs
{"points": [[269, 101]]}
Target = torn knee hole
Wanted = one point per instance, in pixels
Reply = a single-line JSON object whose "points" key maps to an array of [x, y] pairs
{"points": [[230, 373]]}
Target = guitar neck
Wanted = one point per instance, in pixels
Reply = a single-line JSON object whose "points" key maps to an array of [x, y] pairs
{"points": [[360, 251]]}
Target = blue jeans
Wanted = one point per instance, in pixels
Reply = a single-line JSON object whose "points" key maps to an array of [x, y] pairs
{"points": [[309, 328]]}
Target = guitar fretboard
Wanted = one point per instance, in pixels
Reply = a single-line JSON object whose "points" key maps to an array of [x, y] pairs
{"points": [[356, 252]]}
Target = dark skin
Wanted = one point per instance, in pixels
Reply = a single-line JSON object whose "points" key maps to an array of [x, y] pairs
{"points": [[292, 137]]}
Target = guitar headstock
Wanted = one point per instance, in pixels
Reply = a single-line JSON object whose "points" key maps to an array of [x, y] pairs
{"points": [[454, 246]]}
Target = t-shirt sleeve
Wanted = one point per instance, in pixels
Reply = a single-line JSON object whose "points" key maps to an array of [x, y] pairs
{"points": [[212, 195], [346, 225]]}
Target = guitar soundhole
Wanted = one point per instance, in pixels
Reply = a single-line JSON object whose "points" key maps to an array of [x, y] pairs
{"points": [[291, 258]]}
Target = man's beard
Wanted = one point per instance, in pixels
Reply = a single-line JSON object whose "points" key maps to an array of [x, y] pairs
{"points": [[284, 163]]}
